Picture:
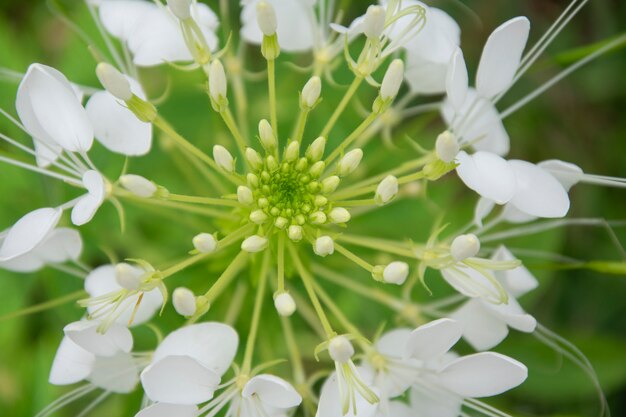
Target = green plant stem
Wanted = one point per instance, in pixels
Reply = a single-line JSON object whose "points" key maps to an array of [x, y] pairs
{"points": [[271, 83], [203, 200], [227, 276], [342, 106], [351, 138], [354, 258], [281, 263], [256, 315], [44, 306]]}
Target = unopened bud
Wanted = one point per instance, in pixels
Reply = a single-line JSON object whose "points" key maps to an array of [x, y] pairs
{"points": [[396, 273], [258, 217], [464, 246], [330, 184], [139, 186], [114, 81], [285, 305], [244, 195], [254, 158], [319, 217], [340, 349], [180, 8], [392, 80], [311, 93], [295, 233], [374, 22], [281, 222], [292, 152], [223, 158], [204, 243], [217, 81], [324, 246], [184, 301], [317, 169], [339, 215], [266, 18], [316, 149], [349, 162], [127, 276], [266, 135], [254, 243], [446, 146], [386, 190]]}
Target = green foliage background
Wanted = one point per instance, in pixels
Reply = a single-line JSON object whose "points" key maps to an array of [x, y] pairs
{"points": [[580, 120]]}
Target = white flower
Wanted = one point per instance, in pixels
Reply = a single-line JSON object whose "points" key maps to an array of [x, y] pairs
{"points": [[114, 81], [88, 205], [184, 301], [386, 190], [464, 246], [311, 92], [396, 273], [187, 366], [151, 32], [447, 146], [254, 243], [180, 8], [484, 324], [267, 395], [128, 276], [374, 22], [204, 243], [349, 162], [331, 401], [138, 185], [266, 18], [223, 158], [285, 304], [85, 334], [324, 246], [168, 410]]}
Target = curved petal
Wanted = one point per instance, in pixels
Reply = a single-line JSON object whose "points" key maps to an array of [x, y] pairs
{"points": [[512, 214], [118, 373], [50, 110], [101, 281], [501, 57], [513, 315], [121, 17], [214, 345], [168, 410], [425, 77], [472, 283], [85, 334], [61, 245], [71, 363], [273, 391], [484, 206], [482, 375], [481, 329], [330, 402], [179, 380], [487, 174], [84, 210], [537, 192], [28, 232], [29, 262], [436, 41], [393, 343], [295, 24], [518, 281], [457, 81], [566, 173], [434, 403], [433, 339]]}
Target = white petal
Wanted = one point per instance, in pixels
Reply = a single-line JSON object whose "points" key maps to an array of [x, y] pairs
{"points": [[330, 402], [481, 329], [436, 41], [487, 174], [538, 193], [457, 80], [121, 17], [50, 110], [116, 127], [295, 19], [433, 339], [425, 77], [273, 391], [501, 57], [101, 281], [518, 281], [29, 262], [179, 380], [61, 245], [89, 204], [472, 283], [85, 334], [513, 315], [484, 206], [71, 363], [214, 345], [168, 410], [397, 409], [482, 375], [512, 214], [393, 343], [117, 373], [566, 173], [28, 232], [434, 403]]}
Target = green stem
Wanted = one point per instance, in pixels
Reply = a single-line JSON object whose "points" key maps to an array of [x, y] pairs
{"points": [[300, 125], [44, 306], [227, 276], [281, 262], [203, 200], [352, 137], [227, 116], [271, 82], [299, 375], [342, 105], [354, 258], [387, 246], [256, 315], [356, 203], [236, 302]]}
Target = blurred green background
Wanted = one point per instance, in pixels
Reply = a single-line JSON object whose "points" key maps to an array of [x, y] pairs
{"points": [[580, 120]]}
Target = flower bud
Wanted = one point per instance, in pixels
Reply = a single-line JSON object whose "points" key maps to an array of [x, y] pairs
{"points": [[330, 184], [281, 222], [317, 168], [311, 92], [180, 8], [339, 215], [258, 217], [139, 186], [252, 180], [184, 301], [292, 151], [340, 349], [464, 246], [396, 273], [386, 190], [114, 81], [392, 80], [244, 195], [204, 243], [254, 158], [319, 217], [285, 305], [223, 158], [272, 164], [320, 201], [446, 146], [266, 18], [324, 246], [217, 81], [349, 162], [316, 149], [127, 276], [374, 22], [254, 244], [266, 134], [295, 233]]}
